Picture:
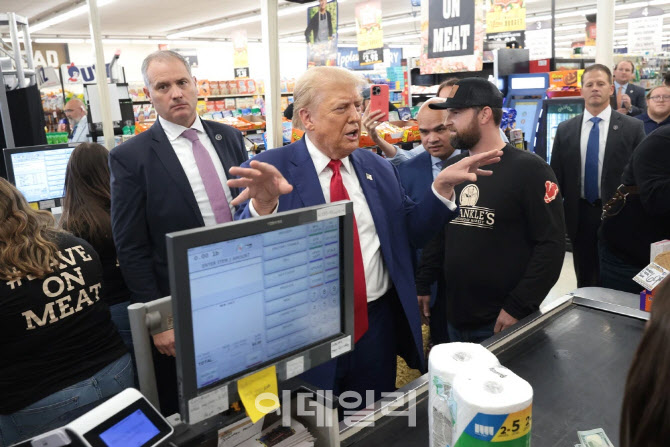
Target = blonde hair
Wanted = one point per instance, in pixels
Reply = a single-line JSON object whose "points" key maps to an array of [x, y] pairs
{"points": [[311, 85], [26, 236]]}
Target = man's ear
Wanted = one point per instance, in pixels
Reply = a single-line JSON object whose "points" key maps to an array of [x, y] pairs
{"points": [[306, 118], [485, 115], [146, 93]]}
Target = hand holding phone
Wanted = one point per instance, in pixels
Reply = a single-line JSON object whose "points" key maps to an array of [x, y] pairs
{"points": [[379, 99]]}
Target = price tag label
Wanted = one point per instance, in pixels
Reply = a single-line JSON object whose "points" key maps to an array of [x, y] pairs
{"points": [[242, 72], [651, 276], [372, 56]]}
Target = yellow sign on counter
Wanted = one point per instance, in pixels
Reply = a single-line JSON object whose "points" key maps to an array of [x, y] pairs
{"points": [[259, 393]]}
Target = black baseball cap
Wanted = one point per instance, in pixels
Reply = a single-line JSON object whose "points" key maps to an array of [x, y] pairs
{"points": [[471, 92]]}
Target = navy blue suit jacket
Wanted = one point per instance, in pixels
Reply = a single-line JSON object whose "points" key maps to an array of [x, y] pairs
{"points": [[151, 196], [398, 220], [416, 175]]}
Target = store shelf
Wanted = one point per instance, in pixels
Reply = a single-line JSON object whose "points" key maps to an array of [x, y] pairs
{"points": [[217, 97]]}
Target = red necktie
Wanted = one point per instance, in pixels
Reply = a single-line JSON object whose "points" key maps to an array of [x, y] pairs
{"points": [[339, 192]]}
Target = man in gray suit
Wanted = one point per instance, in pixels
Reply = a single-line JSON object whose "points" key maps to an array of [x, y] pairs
{"points": [[630, 98], [588, 157]]}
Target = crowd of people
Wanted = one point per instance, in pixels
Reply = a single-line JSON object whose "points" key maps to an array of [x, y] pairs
{"points": [[465, 233]]}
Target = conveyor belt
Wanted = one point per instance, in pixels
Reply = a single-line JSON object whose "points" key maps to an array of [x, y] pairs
{"points": [[576, 359]]}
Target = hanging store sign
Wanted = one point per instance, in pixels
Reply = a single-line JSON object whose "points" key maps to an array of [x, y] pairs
{"points": [[452, 36], [80, 74], [190, 54], [451, 25], [369, 33], [645, 31], [321, 34], [538, 40], [240, 53], [505, 15]]}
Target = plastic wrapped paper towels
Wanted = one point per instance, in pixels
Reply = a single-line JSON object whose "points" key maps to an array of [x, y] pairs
{"points": [[446, 361], [492, 407]]}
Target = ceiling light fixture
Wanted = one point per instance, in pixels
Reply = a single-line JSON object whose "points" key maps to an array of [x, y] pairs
{"points": [[79, 10]]}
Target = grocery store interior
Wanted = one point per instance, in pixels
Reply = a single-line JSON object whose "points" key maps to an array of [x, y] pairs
{"points": [[246, 58]]}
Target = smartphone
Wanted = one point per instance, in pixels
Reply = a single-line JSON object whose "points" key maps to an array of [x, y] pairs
{"points": [[379, 99]]}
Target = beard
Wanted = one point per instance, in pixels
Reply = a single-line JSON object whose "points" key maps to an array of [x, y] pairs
{"points": [[466, 138]]}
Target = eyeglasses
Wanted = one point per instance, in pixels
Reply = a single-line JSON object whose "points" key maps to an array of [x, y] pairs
{"points": [[660, 98]]}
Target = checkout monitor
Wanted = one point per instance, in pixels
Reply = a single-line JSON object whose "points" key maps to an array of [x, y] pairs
{"points": [[39, 171], [250, 294]]}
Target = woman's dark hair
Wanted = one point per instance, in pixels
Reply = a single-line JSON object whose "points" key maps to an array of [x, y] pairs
{"points": [[87, 200], [646, 404]]}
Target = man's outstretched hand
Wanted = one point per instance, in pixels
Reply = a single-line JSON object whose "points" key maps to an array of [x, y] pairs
{"points": [[264, 184], [465, 170]]}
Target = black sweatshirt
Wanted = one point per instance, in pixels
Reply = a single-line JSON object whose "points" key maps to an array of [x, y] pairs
{"points": [[506, 248]]}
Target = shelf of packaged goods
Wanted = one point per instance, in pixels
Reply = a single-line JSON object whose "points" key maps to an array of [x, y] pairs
{"points": [[217, 97]]}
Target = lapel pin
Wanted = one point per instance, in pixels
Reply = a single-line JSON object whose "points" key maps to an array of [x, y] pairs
{"points": [[218, 137], [368, 176], [615, 127]]}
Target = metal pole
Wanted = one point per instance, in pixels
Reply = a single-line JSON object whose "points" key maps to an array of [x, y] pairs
{"points": [[101, 74], [552, 65], [18, 60], [28, 46], [4, 113], [605, 33], [146, 373], [272, 86]]}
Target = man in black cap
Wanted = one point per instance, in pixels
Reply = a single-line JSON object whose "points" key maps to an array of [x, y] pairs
{"points": [[505, 250]]}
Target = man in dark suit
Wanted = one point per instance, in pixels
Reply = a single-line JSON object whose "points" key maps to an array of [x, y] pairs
{"points": [[588, 157], [325, 165], [171, 177], [630, 98]]}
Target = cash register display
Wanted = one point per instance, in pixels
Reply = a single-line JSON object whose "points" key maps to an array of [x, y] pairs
{"points": [[257, 298], [40, 175], [135, 430]]}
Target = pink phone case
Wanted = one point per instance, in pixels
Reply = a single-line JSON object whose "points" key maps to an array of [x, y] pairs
{"points": [[379, 99]]}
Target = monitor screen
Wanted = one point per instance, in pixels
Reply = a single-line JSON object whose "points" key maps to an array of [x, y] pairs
{"points": [[258, 297], [38, 171], [251, 293], [132, 431], [557, 112], [526, 111]]}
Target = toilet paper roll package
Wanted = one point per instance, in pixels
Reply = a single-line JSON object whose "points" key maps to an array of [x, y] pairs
{"points": [[446, 361], [493, 408]]}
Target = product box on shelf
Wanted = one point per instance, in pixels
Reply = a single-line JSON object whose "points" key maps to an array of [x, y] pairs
{"points": [[203, 88], [229, 103], [215, 88]]}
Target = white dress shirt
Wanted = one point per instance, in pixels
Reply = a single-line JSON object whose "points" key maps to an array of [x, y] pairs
{"points": [[80, 132], [184, 150], [603, 129], [377, 280]]}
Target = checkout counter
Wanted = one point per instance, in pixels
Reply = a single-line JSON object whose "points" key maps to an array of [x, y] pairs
{"points": [[575, 354]]}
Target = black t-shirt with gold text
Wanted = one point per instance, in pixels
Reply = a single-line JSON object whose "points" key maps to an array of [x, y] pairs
{"points": [[55, 331]]}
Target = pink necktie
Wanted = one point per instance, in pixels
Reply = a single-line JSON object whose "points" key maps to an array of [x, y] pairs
{"points": [[210, 179]]}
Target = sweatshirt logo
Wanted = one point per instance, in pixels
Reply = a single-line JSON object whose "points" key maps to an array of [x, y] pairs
{"points": [[551, 191], [472, 215]]}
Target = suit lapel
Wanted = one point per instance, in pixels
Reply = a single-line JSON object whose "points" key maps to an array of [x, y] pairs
{"points": [[163, 150], [367, 177], [575, 148], [613, 138], [221, 147], [304, 177]]}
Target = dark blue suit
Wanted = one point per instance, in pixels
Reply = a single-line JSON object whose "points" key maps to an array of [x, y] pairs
{"points": [[151, 196], [398, 221]]}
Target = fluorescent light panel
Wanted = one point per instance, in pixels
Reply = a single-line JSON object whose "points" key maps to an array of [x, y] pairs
{"points": [[65, 16]]}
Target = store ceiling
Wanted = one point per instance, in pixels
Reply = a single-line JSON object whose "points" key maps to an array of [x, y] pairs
{"points": [[159, 19]]}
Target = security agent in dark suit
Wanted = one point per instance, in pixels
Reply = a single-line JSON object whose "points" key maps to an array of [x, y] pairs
{"points": [[629, 98], [171, 177], [588, 160]]}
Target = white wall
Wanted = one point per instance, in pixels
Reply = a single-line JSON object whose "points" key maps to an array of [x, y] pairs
{"points": [[215, 60]]}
